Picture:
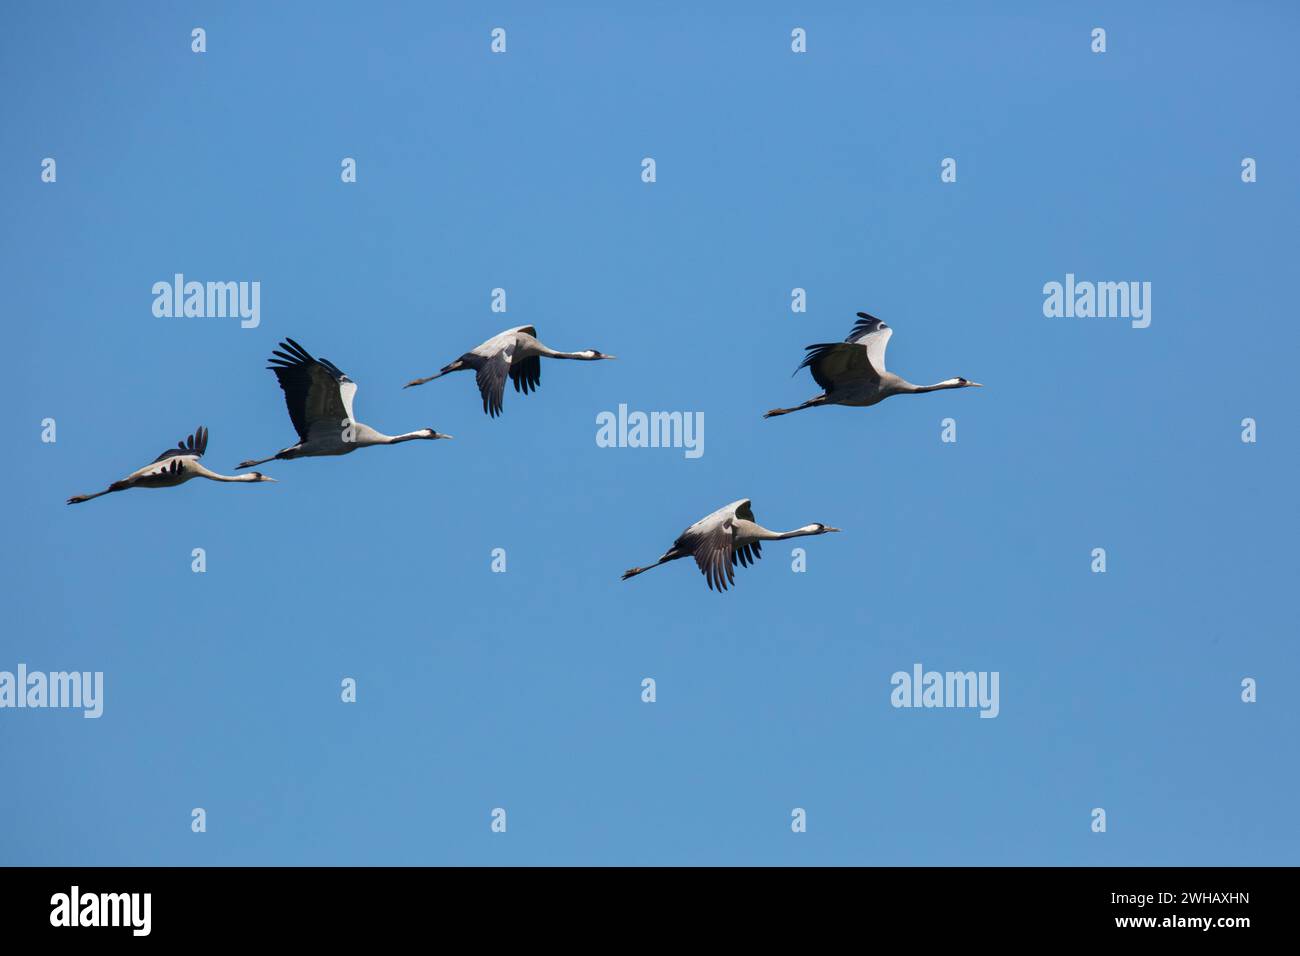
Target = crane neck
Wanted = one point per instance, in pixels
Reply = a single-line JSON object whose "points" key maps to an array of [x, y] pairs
{"points": [[911, 389], [213, 476]]}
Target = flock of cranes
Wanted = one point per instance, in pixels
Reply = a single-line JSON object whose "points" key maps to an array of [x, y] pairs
{"points": [[319, 399]]}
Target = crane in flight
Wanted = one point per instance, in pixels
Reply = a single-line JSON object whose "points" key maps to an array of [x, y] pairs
{"points": [[173, 467], [852, 372], [515, 353], [319, 398], [720, 541]]}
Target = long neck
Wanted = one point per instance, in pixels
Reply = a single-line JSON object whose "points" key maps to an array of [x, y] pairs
{"points": [[763, 534], [551, 353], [213, 476], [397, 439], [911, 389]]}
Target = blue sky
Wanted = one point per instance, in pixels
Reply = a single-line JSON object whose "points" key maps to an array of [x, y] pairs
{"points": [[774, 171]]}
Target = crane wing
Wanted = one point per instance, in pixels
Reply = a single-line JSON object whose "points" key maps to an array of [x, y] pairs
{"points": [[196, 444], [747, 554], [527, 374], [347, 391], [315, 390], [874, 334], [495, 359], [490, 376], [506, 339], [161, 476], [715, 554], [859, 358], [837, 363]]}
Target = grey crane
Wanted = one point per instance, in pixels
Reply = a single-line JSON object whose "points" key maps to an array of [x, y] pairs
{"points": [[852, 372], [173, 467], [723, 539], [319, 399], [514, 352]]}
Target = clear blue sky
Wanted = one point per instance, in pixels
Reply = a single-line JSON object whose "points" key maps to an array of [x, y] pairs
{"points": [[522, 690]]}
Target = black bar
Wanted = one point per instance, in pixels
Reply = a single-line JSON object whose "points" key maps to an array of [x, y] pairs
{"points": [[332, 905]]}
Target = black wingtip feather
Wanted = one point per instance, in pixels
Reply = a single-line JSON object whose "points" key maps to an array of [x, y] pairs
{"points": [[866, 323]]}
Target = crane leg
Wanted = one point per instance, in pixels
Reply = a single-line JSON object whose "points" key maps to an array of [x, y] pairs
{"points": [[668, 556], [811, 403], [454, 366]]}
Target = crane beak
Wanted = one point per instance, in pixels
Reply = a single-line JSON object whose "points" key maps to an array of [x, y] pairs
{"points": [[974, 385], [829, 528]]}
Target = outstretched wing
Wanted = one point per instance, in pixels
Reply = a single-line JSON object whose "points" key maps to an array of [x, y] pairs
{"points": [[315, 390], [162, 476], [869, 331], [490, 376], [527, 374], [859, 358], [715, 555], [195, 445], [747, 553], [834, 364], [495, 359]]}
